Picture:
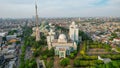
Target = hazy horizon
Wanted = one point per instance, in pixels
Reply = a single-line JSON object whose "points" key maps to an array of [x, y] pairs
{"points": [[59, 8]]}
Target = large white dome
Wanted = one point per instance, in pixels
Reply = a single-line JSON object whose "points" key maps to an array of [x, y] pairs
{"points": [[62, 38]]}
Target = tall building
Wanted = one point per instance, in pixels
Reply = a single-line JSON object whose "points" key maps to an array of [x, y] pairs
{"points": [[74, 32], [37, 27]]}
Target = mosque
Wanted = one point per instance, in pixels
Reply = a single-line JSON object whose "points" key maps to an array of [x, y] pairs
{"points": [[63, 45]]}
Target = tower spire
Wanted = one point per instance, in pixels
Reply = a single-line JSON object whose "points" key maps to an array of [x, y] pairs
{"points": [[36, 11], [37, 28]]}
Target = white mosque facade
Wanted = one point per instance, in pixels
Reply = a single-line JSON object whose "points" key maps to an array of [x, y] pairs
{"points": [[62, 45]]}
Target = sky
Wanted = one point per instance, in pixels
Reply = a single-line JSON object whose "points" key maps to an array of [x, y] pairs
{"points": [[59, 8]]}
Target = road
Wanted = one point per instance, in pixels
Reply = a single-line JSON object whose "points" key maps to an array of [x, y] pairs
{"points": [[28, 54], [18, 54]]}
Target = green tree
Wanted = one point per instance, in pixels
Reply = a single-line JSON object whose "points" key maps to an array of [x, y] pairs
{"points": [[64, 62], [4, 39], [82, 52], [72, 55], [17, 42], [50, 52], [76, 62], [49, 64]]}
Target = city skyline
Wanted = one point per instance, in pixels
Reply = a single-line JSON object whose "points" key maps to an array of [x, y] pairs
{"points": [[59, 8]]}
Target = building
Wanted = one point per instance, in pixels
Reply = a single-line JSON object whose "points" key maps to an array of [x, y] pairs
{"points": [[74, 32], [2, 59], [62, 45], [116, 41], [3, 34], [0, 40], [12, 38]]}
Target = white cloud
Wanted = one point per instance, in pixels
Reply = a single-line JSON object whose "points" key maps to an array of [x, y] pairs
{"points": [[56, 8]]}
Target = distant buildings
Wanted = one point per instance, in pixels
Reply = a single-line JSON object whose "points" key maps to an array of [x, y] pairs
{"points": [[2, 34], [102, 32], [0, 41], [8, 56], [9, 49], [2, 60], [116, 41], [12, 38]]}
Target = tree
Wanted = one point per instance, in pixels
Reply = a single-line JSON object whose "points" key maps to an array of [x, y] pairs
{"points": [[50, 52], [12, 32], [64, 62], [84, 36], [50, 64], [76, 62], [4, 39], [17, 42], [23, 48], [44, 57], [22, 65], [72, 55], [82, 52]]}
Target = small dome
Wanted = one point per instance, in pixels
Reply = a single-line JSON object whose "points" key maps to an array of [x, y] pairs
{"points": [[62, 37]]}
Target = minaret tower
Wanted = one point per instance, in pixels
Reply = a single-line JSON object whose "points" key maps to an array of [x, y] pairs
{"points": [[37, 27], [73, 32]]}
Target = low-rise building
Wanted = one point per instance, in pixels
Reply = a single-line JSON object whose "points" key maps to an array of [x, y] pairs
{"points": [[116, 41]]}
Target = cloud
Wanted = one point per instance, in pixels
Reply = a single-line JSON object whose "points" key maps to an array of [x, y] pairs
{"points": [[59, 8]]}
